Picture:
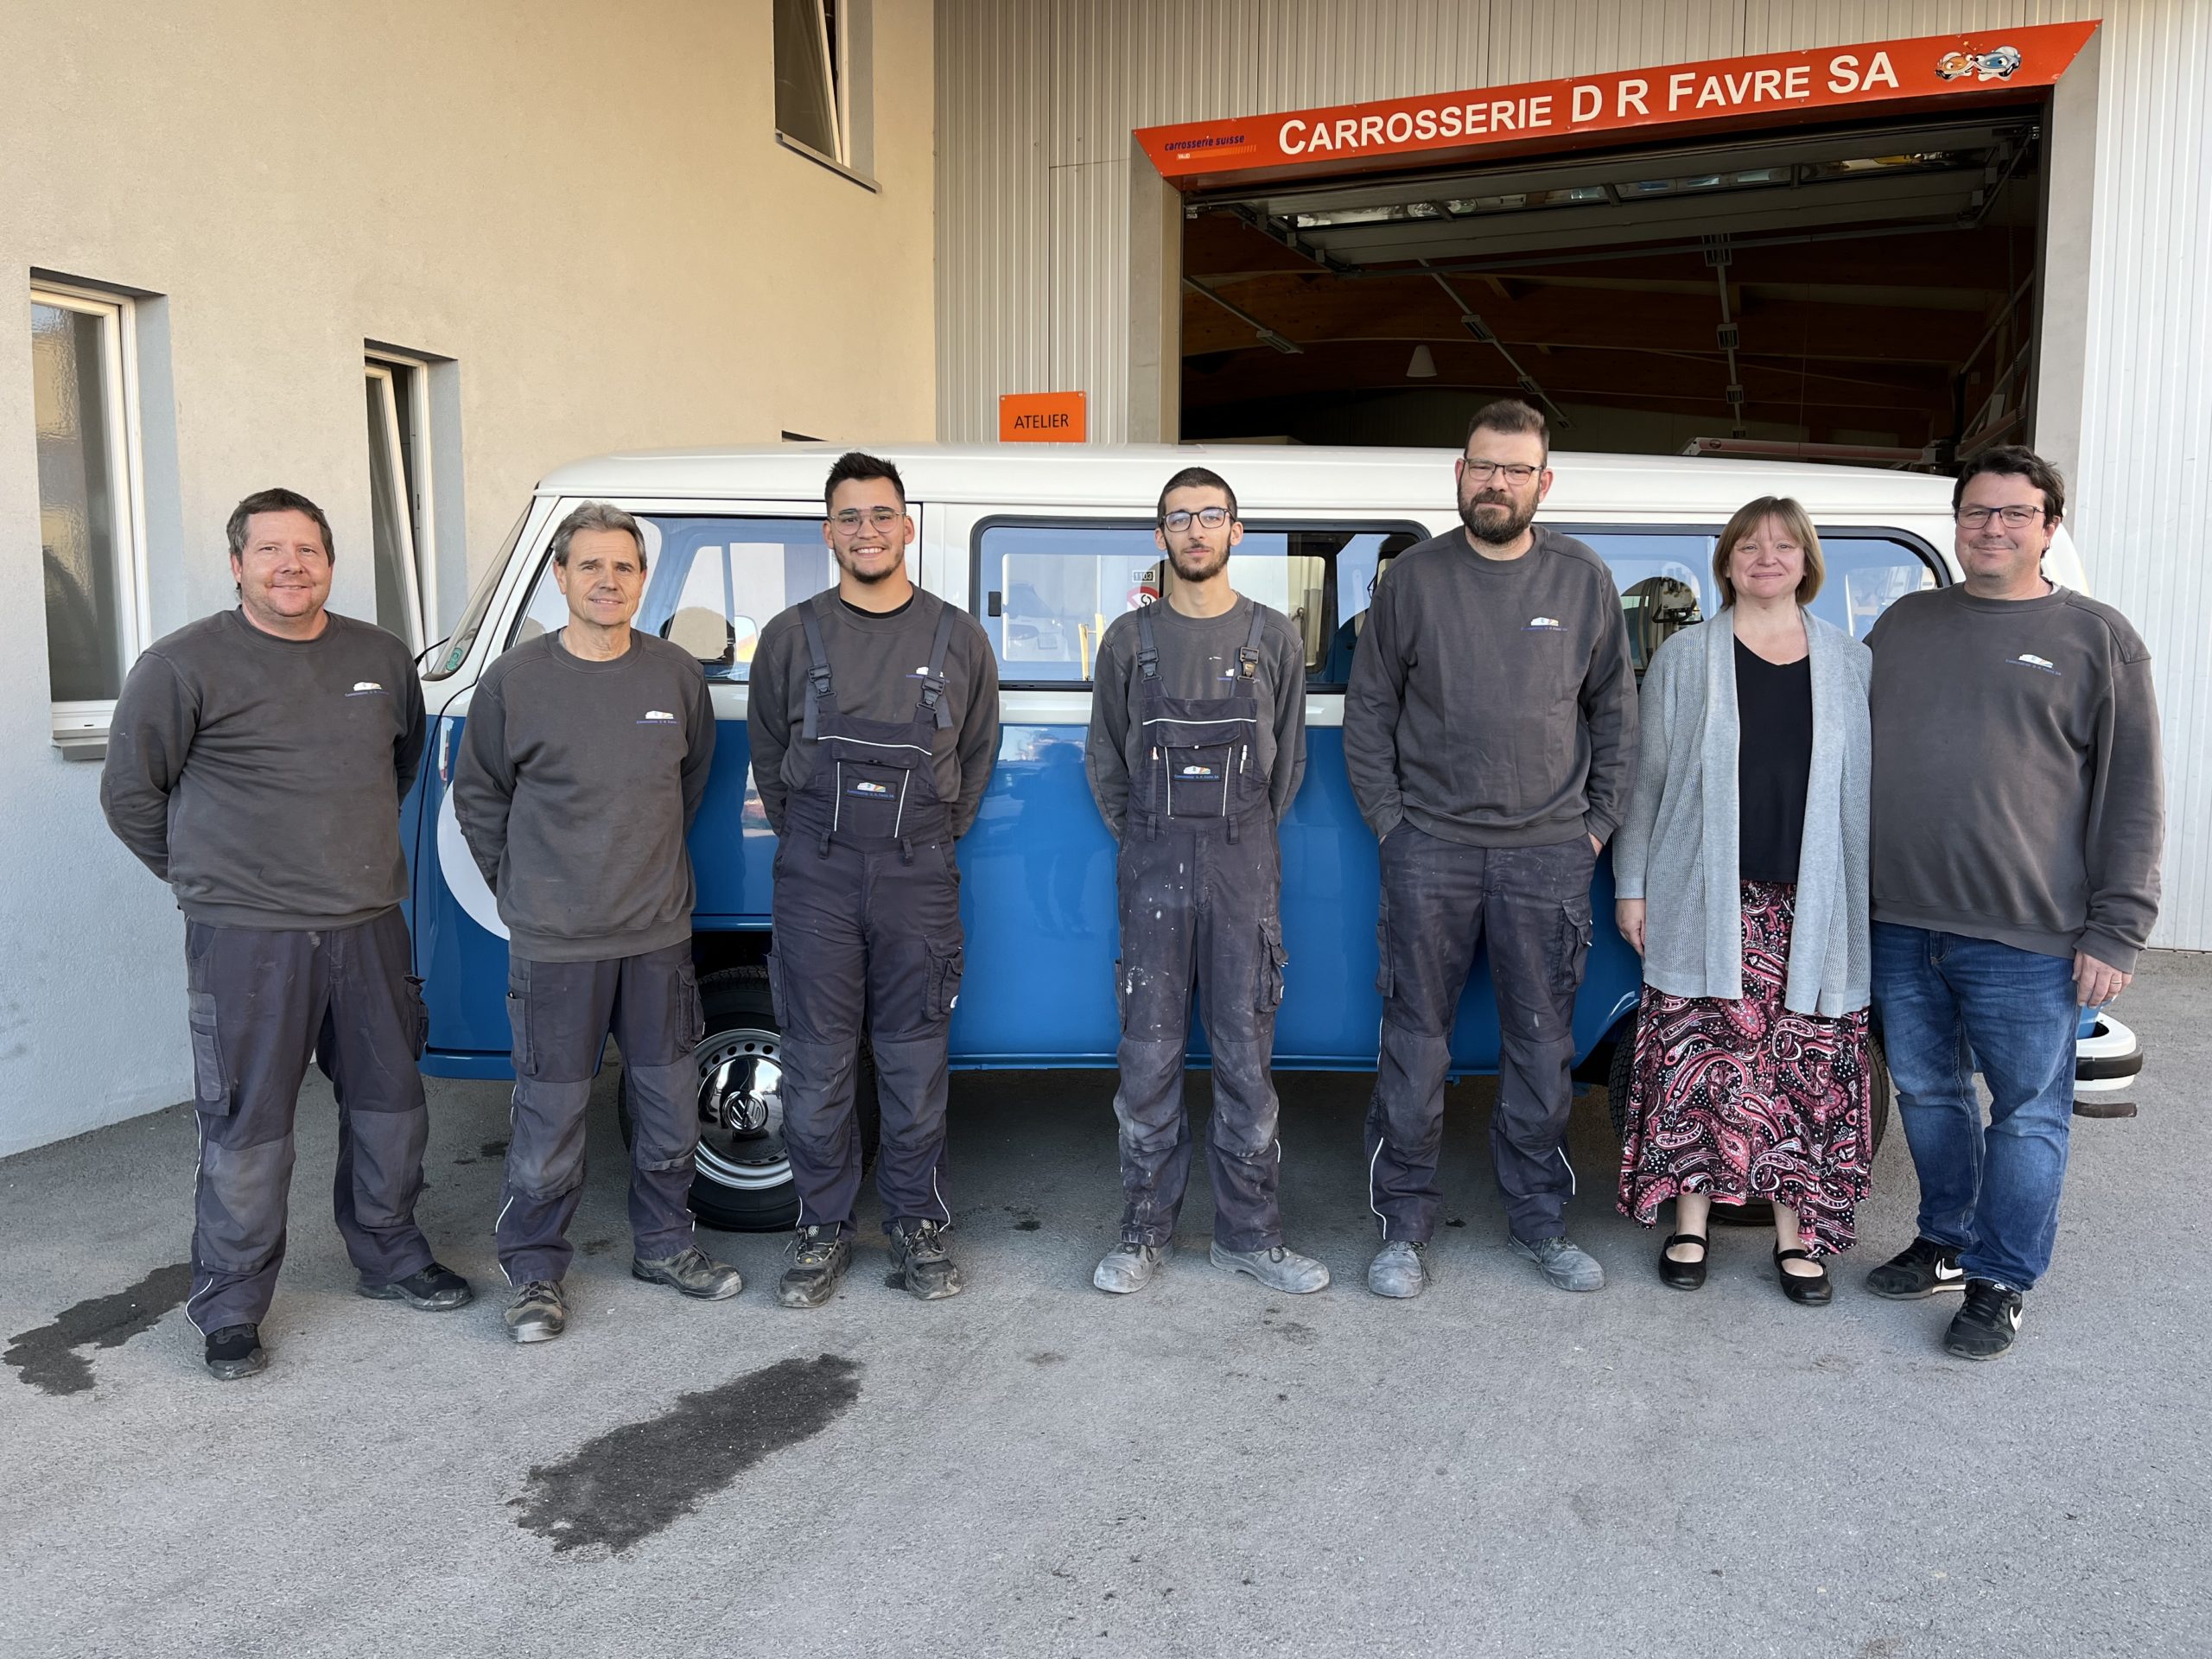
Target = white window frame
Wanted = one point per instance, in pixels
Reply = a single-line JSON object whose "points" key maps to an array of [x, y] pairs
{"points": [[839, 57], [81, 723], [417, 519]]}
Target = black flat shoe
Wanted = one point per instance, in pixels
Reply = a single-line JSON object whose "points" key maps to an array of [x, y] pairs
{"points": [[1683, 1276], [1806, 1289]]}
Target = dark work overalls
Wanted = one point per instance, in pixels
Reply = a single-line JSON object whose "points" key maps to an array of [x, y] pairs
{"points": [[866, 913], [1201, 878]]}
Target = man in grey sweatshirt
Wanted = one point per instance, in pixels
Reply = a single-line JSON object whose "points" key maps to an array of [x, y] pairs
{"points": [[1490, 734], [581, 767], [256, 763], [2019, 815]]}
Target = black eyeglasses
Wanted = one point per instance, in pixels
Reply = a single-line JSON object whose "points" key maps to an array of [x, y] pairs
{"points": [[2014, 517], [1211, 518], [1481, 472]]}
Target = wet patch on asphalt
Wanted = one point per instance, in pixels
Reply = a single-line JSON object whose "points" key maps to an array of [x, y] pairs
{"points": [[620, 1488], [1025, 1217], [48, 1357]]}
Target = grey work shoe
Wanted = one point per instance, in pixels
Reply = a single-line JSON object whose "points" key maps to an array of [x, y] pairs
{"points": [[1277, 1269], [692, 1271], [538, 1312], [819, 1261], [434, 1289], [919, 1265], [1400, 1270], [235, 1351], [1565, 1263], [1130, 1265]]}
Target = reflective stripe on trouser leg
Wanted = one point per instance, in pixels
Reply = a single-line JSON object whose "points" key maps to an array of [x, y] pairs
{"points": [[370, 1042], [544, 1180], [656, 1024], [915, 959], [1536, 922]]}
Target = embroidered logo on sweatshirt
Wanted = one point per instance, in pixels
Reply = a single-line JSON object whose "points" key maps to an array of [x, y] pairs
{"points": [[658, 717], [368, 688], [2029, 659], [921, 673], [1543, 625]]}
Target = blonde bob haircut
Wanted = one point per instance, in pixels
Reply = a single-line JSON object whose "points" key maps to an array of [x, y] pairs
{"points": [[1795, 523]]}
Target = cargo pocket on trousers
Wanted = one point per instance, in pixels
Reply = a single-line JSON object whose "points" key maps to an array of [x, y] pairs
{"points": [[519, 1020], [1121, 995], [1571, 946], [416, 1012], [211, 1083], [947, 963], [1273, 960], [1383, 979], [689, 1019], [775, 967]]}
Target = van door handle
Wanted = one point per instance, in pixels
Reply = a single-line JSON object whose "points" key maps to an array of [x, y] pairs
{"points": [[995, 603]]}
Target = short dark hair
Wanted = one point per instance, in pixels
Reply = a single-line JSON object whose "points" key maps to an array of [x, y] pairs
{"points": [[279, 500], [595, 515], [1194, 478], [2016, 461], [855, 464], [1511, 415]]}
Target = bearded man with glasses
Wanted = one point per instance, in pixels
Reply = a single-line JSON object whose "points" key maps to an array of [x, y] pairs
{"points": [[2019, 815], [873, 714], [1490, 734]]}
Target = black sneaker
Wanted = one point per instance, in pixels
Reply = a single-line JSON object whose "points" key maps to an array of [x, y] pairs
{"points": [[1924, 1267], [1985, 1327], [235, 1351], [819, 1261], [434, 1289], [919, 1265]]}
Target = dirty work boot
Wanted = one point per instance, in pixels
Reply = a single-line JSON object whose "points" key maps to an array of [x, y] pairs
{"points": [[692, 1271], [818, 1261], [1565, 1263], [1130, 1265], [434, 1289], [235, 1351], [1278, 1268], [538, 1312], [1400, 1270], [918, 1264]]}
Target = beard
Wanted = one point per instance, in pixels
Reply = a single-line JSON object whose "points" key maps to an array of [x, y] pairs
{"points": [[1197, 564], [1493, 520], [870, 577]]}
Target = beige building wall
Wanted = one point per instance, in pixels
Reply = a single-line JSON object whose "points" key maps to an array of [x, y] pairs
{"points": [[583, 205]]}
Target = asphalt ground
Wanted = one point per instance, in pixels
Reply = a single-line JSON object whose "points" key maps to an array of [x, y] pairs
{"points": [[1033, 1468]]}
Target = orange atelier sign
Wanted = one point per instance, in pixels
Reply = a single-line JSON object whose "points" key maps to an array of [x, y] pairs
{"points": [[1041, 418], [1443, 127]]}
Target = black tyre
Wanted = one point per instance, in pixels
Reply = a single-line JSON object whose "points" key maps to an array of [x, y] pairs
{"points": [[1759, 1213], [744, 1178]]}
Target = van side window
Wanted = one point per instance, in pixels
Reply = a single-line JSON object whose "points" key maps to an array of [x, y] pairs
{"points": [[712, 583], [1050, 591]]}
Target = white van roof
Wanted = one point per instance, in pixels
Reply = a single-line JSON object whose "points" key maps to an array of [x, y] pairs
{"points": [[1268, 478]]}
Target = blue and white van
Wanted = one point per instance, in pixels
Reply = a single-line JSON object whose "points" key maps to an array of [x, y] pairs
{"points": [[1046, 545]]}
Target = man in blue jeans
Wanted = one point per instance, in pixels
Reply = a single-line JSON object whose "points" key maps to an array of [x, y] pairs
{"points": [[2018, 814]]}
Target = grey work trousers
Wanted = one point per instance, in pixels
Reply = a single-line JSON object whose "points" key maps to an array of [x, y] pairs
{"points": [[1198, 907], [866, 939], [263, 1002], [1441, 902], [561, 1014]]}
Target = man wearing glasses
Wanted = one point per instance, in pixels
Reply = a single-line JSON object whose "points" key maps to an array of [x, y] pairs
{"points": [[2018, 813], [1197, 746], [1490, 732], [874, 714]]}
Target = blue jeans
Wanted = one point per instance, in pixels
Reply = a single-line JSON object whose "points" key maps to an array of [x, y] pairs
{"points": [[1991, 1191]]}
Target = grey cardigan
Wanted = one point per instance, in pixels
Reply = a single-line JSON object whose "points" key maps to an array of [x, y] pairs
{"points": [[1677, 850]]}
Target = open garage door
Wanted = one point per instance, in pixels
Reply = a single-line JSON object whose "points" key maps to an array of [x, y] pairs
{"points": [[1866, 291]]}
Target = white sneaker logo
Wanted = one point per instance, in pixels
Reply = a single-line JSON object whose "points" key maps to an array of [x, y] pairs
{"points": [[1944, 1273], [2013, 1314]]}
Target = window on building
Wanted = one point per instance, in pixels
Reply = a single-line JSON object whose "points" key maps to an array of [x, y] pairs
{"points": [[712, 583], [811, 79], [400, 514], [1050, 591], [84, 402]]}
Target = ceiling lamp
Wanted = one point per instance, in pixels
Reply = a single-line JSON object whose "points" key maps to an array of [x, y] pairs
{"points": [[1422, 365]]}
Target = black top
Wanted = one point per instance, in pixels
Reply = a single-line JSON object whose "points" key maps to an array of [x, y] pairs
{"points": [[1774, 762]]}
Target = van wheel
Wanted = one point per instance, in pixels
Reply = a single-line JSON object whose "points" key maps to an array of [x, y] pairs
{"points": [[744, 1178], [1759, 1213]]}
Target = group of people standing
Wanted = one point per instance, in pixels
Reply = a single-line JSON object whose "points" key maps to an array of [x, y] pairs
{"points": [[1959, 828]]}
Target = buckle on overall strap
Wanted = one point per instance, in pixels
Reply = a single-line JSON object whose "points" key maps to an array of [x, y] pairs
{"points": [[1148, 647], [1248, 654], [817, 672], [934, 681]]}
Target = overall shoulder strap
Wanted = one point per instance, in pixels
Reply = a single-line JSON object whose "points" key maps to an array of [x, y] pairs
{"points": [[933, 704], [817, 669], [1248, 654], [1148, 647]]}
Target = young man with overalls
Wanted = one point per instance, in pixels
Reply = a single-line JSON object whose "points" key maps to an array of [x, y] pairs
{"points": [[1197, 746], [874, 714]]}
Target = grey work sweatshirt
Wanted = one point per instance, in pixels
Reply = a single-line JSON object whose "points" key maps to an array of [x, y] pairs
{"points": [[1197, 660], [576, 783], [261, 777], [1493, 702], [2018, 792], [876, 665]]}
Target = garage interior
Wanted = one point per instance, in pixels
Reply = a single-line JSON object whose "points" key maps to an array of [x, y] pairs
{"points": [[1861, 293]]}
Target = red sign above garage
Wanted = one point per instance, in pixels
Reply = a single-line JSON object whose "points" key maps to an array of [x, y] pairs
{"points": [[1443, 128]]}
